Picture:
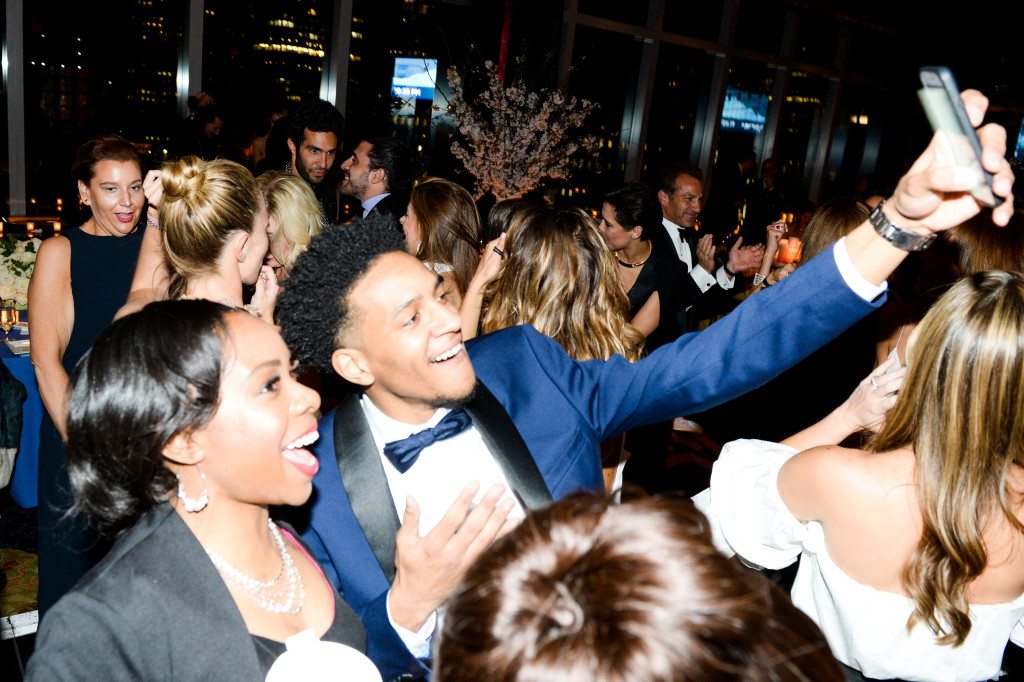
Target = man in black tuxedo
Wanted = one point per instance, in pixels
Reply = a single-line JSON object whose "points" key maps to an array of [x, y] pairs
{"points": [[681, 195]]}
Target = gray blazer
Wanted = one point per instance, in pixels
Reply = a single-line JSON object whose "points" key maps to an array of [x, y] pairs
{"points": [[155, 608]]}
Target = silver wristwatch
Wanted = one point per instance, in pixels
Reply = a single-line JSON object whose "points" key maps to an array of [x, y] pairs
{"points": [[895, 235]]}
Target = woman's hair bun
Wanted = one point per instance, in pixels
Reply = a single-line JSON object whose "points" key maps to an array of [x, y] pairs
{"points": [[183, 178]]}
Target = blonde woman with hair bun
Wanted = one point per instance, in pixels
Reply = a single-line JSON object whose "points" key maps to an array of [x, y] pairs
{"points": [[214, 221], [295, 218]]}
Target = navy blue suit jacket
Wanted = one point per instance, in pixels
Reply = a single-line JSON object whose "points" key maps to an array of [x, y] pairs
{"points": [[543, 416]]}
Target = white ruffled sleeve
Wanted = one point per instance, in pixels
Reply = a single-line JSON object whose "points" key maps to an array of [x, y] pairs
{"points": [[1017, 635], [747, 515]]}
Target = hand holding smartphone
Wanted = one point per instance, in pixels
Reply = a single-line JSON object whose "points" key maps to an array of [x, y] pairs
{"points": [[940, 97]]}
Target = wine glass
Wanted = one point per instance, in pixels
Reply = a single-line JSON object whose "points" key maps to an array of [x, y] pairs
{"points": [[8, 317]]}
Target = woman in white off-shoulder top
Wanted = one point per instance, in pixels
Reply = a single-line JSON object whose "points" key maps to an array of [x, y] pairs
{"points": [[911, 551]]}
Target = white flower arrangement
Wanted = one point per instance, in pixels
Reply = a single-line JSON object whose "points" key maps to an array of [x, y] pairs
{"points": [[515, 138], [17, 260]]}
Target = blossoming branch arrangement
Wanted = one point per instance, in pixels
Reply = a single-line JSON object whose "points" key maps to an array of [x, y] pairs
{"points": [[17, 260], [514, 137]]}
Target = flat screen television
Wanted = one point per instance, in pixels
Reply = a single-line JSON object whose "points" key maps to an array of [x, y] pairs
{"points": [[414, 78], [744, 111]]}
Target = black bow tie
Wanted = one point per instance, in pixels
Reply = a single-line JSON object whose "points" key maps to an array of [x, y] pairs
{"points": [[404, 453]]}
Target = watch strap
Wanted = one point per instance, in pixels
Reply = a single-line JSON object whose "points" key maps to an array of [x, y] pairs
{"points": [[897, 236]]}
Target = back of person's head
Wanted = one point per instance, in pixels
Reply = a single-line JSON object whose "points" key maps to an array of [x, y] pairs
{"points": [[148, 377], [560, 277], [635, 204], [315, 314], [506, 215], [204, 202], [836, 218], [589, 590], [317, 116], [102, 148], [961, 412], [291, 202], [666, 178], [278, 155], [980, 246], [393, 157], [449, 227], [207, 114]]}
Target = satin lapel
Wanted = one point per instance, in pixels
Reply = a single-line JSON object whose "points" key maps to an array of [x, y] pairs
{"points": [[503, 439], [363, 477]]}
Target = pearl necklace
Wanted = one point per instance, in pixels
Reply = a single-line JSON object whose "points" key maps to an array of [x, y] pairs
{"points": [[288, 598]]}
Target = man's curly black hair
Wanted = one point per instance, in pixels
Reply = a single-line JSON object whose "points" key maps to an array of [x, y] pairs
{"points": [[318, 116], [314, 306]]}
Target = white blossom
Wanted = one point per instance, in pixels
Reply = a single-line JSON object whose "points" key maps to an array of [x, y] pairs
{"points": [[514, 137], [17, 261]]}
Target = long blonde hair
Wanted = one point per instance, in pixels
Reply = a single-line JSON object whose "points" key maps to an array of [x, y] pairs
{"points": [[560, 277], [449, 226], [296, 209], [203, 203], [961, 411]]}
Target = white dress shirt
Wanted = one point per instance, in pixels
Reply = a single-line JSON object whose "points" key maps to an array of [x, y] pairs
{"points": [[371, 202], [701, 276], [434, 481]]}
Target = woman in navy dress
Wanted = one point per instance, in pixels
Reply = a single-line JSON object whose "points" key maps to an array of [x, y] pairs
{"points": [[80, 279]]}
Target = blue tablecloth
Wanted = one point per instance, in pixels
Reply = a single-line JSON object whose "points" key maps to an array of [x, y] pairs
{"points": [[24, 482]]}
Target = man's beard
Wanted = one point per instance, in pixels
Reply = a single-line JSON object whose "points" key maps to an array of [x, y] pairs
{"points": [[454, 402], [301, 167]]}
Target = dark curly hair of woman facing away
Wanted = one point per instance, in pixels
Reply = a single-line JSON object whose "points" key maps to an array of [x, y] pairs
{"points": [[148, 377], [314, 308], [588, 590]]}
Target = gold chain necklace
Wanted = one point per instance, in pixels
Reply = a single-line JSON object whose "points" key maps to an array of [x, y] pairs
{"points": [[637, 265]]}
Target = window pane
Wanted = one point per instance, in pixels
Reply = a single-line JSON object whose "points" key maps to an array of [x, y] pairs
{"points": [[799, 132], [854, 152], [870, 55], [682, 81], [89, 72], [259, 57], [816, 40], [596, 55], [741, 131], [630, 12], [694, 19], [760, 25]]}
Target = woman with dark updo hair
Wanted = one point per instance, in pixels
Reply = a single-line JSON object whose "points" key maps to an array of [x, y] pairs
{"points": [[81, 278], [185, 425], [589, 590]]}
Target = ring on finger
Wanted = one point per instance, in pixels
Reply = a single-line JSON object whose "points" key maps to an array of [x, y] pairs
{"points": [[874, 381], [499, 252]]}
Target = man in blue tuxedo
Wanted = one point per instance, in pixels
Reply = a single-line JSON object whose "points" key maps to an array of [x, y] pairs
{"points": [[434, 423]]}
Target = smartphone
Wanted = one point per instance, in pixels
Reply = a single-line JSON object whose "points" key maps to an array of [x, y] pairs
{"points": [[940, 97]]}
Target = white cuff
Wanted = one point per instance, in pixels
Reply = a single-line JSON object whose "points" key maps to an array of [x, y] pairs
{"points": [[860, 286], [418, 643], [724, 280], [702, 278]]}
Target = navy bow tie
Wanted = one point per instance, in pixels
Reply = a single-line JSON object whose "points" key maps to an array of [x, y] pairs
{"points": [[404, 453]]}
